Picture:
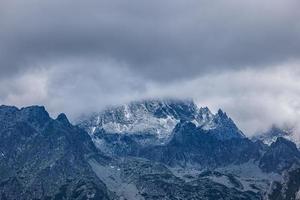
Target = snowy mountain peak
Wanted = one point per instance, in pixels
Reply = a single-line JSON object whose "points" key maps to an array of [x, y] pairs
{"points": [[274, 132], [156, 117]]}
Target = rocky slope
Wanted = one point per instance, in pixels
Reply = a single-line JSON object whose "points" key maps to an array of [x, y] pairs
{"points": [[195, 143], [286, 189], [150, 150], [43, 158], [199, 138], [281, 155]]}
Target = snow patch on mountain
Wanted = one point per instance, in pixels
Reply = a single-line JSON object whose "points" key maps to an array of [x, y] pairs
{"points": [[298, 195], [157, 117], [271, 135]]}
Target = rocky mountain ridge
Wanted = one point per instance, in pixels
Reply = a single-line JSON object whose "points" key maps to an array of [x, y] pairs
{"points": [[45, 158], [159, 118]]}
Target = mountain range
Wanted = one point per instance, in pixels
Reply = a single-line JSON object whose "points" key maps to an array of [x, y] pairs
{"points": [[150, 149]]}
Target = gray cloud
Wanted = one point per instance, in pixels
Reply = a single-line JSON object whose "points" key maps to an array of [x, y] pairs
{"points": [[78, 56], [155, 38], [255, 99]]}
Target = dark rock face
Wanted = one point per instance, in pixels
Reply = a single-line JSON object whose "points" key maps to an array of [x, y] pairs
{"points": [[288, 189], [42, 158], [157, 182], [36, 116], [63, 119], [45, 158], [226, 128], [281, 155], [188, 145], [193, 146]]}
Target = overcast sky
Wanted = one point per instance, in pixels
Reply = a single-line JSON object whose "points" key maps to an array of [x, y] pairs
{"points": [[78, 56]]}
